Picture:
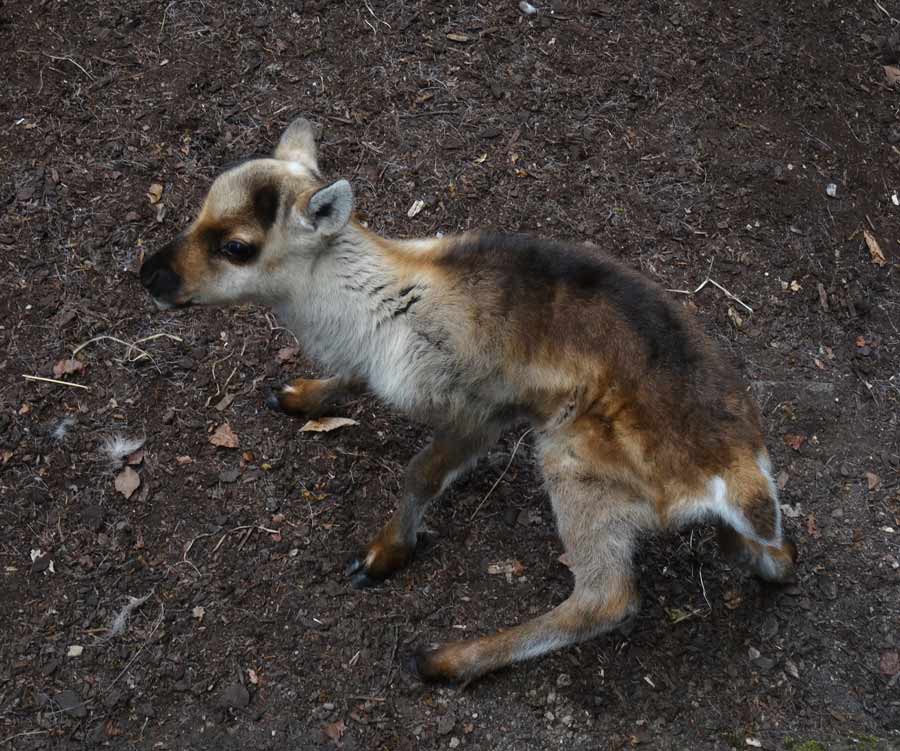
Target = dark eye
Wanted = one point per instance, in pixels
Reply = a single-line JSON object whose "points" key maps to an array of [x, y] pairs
{"points": [[237, 250]]}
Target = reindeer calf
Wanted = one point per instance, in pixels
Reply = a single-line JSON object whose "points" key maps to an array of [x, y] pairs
{"points": [[640, 423]]}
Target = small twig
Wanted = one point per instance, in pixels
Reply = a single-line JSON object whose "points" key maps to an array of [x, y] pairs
{"points": [[732, 296], [710, 280], [69, 60], [130, 345], [882, 9], [502, 474], [53, 380], [390, 674], [249, 527], [380, 20], [703, 589]]}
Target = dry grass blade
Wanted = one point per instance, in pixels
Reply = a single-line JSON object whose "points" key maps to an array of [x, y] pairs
{"points": [[53, 380], [130, 346]]}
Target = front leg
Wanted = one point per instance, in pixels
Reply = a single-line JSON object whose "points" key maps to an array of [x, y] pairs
{"points": [[430, 472], [309, 397]]}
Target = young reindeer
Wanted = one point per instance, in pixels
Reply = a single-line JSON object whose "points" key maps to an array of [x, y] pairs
{"points": [[640, 424]]}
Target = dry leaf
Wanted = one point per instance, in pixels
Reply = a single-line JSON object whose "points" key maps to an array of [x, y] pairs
{"points": [[812, 528], [873, 480], [512, 567], [327, 424], [287, 354], [154, 192], [224, 437], [184, 459], [892, 73], [454, 37], [794, 440], [66, 367], [135, 457], [127, 482], [874, 249], [334, 730]]}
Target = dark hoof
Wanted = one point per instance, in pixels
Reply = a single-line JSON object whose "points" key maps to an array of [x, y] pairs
{"points": [[420, 663], [360, 578], [272, 400], [416, 664]]}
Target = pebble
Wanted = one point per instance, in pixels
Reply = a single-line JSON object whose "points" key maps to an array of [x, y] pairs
{"points": [[831, 190], [445, 724]]}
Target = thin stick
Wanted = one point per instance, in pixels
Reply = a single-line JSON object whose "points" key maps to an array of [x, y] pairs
{"points": [[53, 380], [710, 280], [732, 296], [881, 8], [238, 529], [503, 473], [703, 588], [130, 345], [69, 60]]}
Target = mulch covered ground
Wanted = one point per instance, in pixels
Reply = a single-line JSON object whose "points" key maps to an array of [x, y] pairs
{"points": [[695, 140]]}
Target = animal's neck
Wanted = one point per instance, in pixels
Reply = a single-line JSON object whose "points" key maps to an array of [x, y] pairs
{"points": [[338, 315]]}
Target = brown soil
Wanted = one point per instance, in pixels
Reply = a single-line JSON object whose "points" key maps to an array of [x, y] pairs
{"points": [[690, 138]]}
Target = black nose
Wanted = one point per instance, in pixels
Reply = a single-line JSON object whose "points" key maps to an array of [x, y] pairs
{"points": [[158, 277]]}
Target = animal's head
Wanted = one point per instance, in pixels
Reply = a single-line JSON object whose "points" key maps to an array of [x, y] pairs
{"points": [[259, 219]]}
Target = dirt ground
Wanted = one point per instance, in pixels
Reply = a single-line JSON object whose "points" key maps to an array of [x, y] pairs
{"points": [[693, 139]]}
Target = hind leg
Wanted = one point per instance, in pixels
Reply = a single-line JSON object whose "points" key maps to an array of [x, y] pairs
{"points": [[774, 563], [598, 524]]}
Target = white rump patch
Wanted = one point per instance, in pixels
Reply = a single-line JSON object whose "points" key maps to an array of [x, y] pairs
{"points": [[715, 504]]}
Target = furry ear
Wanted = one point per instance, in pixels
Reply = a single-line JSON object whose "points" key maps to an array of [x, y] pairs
{"points": [[298, 144], [330, 208]]}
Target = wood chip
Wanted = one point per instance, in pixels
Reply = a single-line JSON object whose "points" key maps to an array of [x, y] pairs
{"points": [[454, 37], [327, 424]]}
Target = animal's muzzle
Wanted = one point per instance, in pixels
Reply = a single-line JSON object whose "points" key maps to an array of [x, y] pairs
{"points": [[159, 279]]}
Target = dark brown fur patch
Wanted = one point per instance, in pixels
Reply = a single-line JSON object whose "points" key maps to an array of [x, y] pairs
{"points": [[760, 512], [265, 205], [542, 271]]}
